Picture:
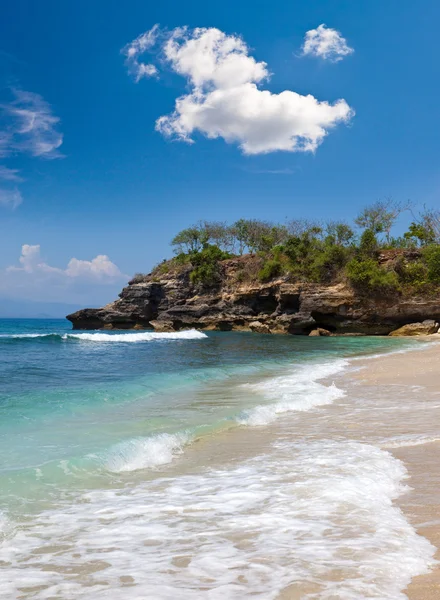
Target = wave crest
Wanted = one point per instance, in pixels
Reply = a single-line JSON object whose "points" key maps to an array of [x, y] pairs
{"points": [[147, 336], [143, 453], [299, 391]]}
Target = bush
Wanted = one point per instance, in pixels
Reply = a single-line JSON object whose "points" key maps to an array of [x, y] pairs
{"points": [[368, 246], [431, 255], [206, 265], [272, 268], [413, 274], [329, 262], [367, 276]]}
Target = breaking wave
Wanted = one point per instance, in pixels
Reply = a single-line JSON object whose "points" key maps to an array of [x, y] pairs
{"points": [[298, 391], [143, 453], [146, 336]]}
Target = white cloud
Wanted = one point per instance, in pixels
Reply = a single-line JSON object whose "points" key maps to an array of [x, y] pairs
{"points": [[100, 269], [325, 43], [136, 48], [225, 101]]}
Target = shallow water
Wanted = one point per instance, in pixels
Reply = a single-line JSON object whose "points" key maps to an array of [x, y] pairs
{"points": [[225, 465]]}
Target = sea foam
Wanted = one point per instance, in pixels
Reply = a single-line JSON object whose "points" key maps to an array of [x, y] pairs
{"points": [[300, 391], [143, 453], [147, 336], [317, 518]]}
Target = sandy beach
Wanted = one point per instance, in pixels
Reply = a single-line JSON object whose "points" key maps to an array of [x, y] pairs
{"points": [[417, 370]]}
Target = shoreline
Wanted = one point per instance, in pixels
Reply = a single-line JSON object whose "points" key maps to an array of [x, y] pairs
{"points": [[416, 371], [390, 370], [312, 485]]}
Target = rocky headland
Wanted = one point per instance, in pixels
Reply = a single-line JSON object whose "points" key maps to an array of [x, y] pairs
{"points": [[167, 300]]}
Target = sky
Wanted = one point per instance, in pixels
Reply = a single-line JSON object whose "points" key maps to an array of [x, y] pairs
{"points": [[123, 123]]}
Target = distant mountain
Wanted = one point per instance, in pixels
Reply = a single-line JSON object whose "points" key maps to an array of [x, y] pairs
{"points": [[26, 309]]}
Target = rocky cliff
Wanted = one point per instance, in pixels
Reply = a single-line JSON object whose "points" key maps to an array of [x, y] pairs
{"points": [[171, 302]]}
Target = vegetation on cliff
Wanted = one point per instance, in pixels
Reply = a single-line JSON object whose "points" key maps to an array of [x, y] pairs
{"points": [[366, 254]]}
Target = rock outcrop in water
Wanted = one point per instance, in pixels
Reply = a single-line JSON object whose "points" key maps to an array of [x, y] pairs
{"points": [[170, 302]]}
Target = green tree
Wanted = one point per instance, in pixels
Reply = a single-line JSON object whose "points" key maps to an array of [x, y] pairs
{"points": [[419, 234], [189, 240], [368, 246], [342, 233], [381, 216]]}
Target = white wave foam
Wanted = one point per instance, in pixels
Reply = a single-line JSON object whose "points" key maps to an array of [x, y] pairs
{"points": [[298, 391], [6, 528], [403, 441], [146, 336], [25, 335], [143, 453], [318, 517]]}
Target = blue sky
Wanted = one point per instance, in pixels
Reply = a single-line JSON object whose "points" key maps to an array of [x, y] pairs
{"points": [[105, 183]]}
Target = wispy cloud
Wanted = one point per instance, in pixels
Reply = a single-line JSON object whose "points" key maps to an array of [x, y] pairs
{"points": [[10, 197], [135, 49], [326, 43], [224, 98], [7, 174], [286, 171], [31, 126], [27, 126]]}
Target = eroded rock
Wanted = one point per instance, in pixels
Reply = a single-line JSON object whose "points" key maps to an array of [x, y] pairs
{"points": [[427, 327], [259, 327]]}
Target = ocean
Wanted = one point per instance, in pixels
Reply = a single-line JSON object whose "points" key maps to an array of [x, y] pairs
{"points": [[219, 465]]}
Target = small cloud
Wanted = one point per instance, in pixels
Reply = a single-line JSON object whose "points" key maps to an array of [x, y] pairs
{"points": [[326, 43], [135, 49]]}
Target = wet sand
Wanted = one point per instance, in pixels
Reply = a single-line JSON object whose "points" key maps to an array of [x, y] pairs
{"points": [[418, 369]]}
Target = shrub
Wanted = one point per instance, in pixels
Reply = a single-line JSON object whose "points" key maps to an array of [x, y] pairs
{"points": [[206, 265], [367, 276], [368, 246], [330, 261], [414, 274], [431, 255], [272, 268]]}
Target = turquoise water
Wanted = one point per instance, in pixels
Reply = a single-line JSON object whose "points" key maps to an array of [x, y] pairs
{"points": [[69, 400], [88, 419]]}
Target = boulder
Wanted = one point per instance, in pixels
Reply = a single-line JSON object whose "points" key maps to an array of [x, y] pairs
{"points": [[319, 332], [259, 327], [427, 327]]}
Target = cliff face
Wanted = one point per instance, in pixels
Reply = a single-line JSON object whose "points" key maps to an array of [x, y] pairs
{"points": [[170, 302]]}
